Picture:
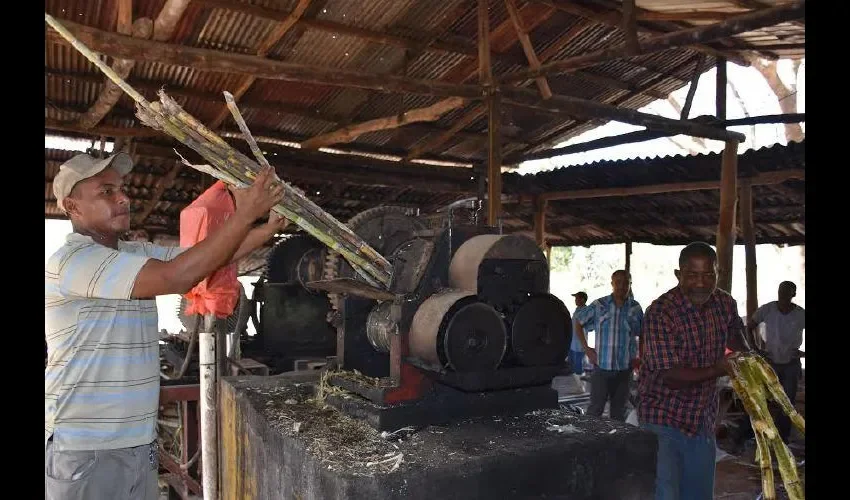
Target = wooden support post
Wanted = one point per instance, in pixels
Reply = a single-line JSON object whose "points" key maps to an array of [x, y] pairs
{"points": [[630, 26], [494, 162], [746, 199], [628, 258], [540, 222], [721, 89], [726, 225]]}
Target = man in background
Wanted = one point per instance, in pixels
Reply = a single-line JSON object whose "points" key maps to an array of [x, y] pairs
{"points": [[576, 355], [784, 324], [616, 319]]}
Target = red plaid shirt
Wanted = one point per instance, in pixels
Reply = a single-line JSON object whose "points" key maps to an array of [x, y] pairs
{"points": [[677, 333]]}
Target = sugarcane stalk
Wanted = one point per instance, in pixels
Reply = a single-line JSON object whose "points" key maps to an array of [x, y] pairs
{"points": [[768, 486], [753, 380], [778, 394], [167, 116], [788, 470]]}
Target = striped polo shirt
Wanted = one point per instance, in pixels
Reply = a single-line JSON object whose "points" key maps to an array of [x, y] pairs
{"points": [[101, 383]]}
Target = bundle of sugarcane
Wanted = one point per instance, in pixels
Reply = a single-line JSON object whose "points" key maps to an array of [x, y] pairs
{"points": [[235, 169], [754, 381]]}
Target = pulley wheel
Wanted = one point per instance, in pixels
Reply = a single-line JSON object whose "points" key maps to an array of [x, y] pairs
{"points": [[541, 331], [474, 337]]}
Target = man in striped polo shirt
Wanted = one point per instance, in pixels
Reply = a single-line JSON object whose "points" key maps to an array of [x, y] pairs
{"points": [[616, 319], [685, 336], [101, 383]]}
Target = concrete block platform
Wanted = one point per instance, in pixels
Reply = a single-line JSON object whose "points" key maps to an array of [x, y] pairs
{"points": [[278, 443]]}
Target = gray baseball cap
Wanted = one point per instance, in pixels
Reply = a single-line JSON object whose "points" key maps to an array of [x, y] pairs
{"points": [[82, 167]]}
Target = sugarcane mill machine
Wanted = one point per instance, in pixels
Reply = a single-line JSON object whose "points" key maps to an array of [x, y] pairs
{"points": [[467, 327]]}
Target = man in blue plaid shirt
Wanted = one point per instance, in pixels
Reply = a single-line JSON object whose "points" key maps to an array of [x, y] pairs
{"points": [[616, 319]]}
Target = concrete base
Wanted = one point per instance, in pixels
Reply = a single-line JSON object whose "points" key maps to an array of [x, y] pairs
{"points": [[276, 443]]}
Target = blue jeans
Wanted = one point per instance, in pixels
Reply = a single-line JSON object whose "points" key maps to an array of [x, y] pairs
{"points": [[577, 361], [685, 467]]}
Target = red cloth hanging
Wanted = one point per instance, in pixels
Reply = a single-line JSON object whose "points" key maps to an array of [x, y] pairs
{"points": [[219, 293]]}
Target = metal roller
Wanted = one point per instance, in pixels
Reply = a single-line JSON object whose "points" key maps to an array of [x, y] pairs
{"points": [[380, 326], [452, 329], [541, 331], [463, 269]]}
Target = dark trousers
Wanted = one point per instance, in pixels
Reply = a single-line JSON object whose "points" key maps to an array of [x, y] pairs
{"points": [[608, 385], [789, 378]]}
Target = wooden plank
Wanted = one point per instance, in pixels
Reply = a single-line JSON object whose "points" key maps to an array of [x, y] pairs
{"points": [[121, 46], [628, 266], [275, 36], [765, 178], [528, 48], [660, 43], [351, 132], [746, 201], [726, 231]]}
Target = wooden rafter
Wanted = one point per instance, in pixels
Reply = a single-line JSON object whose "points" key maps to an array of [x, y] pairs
{"points": [[723, 29], [614, 19], [630, 26], [764, 178], [110, 93], [167, 19], [500, 39], [351, 132], [164, 183], [528, 48], [279, 31], [116, 45], [692, 90]]}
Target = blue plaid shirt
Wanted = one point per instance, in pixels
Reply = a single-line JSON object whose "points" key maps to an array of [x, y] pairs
{"points": [[617, 329], [575, 346]]}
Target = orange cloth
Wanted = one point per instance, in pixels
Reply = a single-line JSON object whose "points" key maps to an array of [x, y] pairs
{"points": [[219, 292]]}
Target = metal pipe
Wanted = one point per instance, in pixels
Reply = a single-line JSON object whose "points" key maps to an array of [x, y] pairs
{"points": [[209, 420]]}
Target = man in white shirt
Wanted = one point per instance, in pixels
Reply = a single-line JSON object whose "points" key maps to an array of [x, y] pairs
{"points": [[784, 324]]}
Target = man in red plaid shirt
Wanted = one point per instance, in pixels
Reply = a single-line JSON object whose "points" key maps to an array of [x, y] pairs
{"points": [[685, 335]]}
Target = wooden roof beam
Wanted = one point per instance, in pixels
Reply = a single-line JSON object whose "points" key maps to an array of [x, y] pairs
{"points": [[686, 37], [614, 19], [761, 179], [249, 103], [500, 38], [352, 132], [326, 26], [121, 46], [528, 48], [110, 93]]}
